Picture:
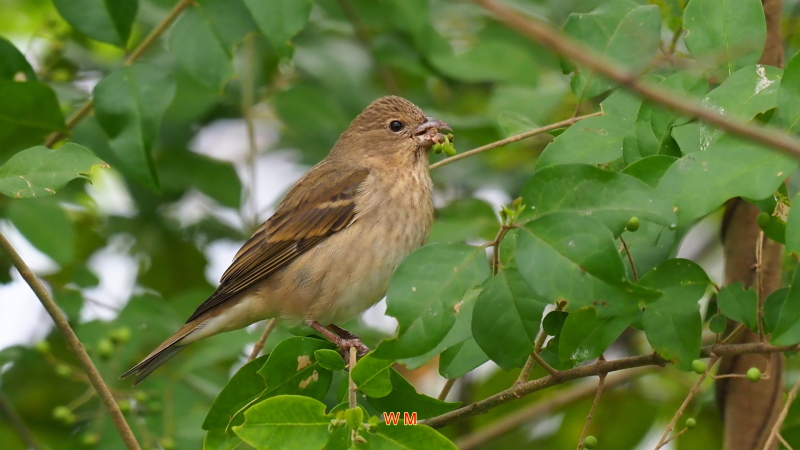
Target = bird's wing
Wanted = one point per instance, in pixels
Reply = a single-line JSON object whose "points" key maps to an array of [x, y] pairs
{"points": [[320, 204]]}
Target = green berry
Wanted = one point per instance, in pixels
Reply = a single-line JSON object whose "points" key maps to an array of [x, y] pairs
{"points": [[699, 366], [633, 224], [590, 442], [42, 347], [763, 220], [63, 415], [105, 348], [691, 423], [717, 324], [141, 396], [90, 439], [120, 335], [753, 374], [63, 370]]}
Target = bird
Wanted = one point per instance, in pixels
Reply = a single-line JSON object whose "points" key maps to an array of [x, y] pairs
{"points": [[329, 251]]}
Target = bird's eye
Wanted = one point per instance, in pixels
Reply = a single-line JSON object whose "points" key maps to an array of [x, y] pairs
{"points": [[396, 125]]}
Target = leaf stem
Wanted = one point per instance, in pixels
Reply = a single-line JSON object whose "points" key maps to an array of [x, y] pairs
{"points": [[590, 416], [352, 400], [446, 388], [73, 343], [262, 340], [775, 432], [515, 138], [630, 258]]}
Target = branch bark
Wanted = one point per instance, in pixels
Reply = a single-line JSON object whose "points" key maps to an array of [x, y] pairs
{"points": [[73, 343], [594, 369], [538, 31]]}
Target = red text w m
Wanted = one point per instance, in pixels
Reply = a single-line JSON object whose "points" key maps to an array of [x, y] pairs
{"points": [[392, 418]]}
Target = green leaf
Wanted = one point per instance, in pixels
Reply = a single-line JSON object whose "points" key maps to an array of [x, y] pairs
{"points": [[793, 227], [405, 398], [747, 92], [245, 386], [506, 319], [198, 49], [179, 170], [13, 65], [371, 376], [583, 266], [461, 359], [423, 294], [787, 326], [725, 35], [28, 112], [39, 171], [772, 309], [460, 332], [45, 224], [595, 140], [620, 31], [464, 219], [739, 304], [650, 169], [673, 327], [292, 369], [129, 103], [486, 61], [610, 197], [586, 336], [652, 133], [219, 440], [106, 21], [789, 96], [280, 20], [731, 167], [286, 422], [398, 437], [329, 359], [679, 274]]}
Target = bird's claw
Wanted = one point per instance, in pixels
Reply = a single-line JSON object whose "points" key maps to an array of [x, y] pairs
{"points": [[346, 344]]}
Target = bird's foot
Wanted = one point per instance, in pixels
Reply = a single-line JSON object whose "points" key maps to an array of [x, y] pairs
{"points": [[342, 338]]}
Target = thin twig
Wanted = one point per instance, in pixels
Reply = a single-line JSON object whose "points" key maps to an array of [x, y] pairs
{"points": [[671, 426], [446, 388], [555, 373], [760, 283], [143, 46], [263, 339], [73, 343], [248, 100], [515, 138], [525, 373], [352, 401], [17, 424], [777, 426], [590, 416], [783, 441], [630, 259], [546, 35], [652, 359], [546, 406]]}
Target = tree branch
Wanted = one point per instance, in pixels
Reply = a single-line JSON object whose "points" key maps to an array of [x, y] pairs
{"points": [[554, 403], [515, 138], [73, 343], [595, 369], [143, 46], [263, 339], [544, 34]]}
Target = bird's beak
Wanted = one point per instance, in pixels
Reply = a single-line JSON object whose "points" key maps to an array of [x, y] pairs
{"points": [[431, 124], [429, 132]]}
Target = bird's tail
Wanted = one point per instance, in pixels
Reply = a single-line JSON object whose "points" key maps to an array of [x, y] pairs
{"points": [[162, 353]]}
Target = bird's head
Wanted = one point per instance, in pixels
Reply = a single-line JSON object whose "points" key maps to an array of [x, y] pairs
{"points": [[391, 127]]}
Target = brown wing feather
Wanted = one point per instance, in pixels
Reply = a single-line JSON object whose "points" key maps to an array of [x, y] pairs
{"points": [[304, 218]]}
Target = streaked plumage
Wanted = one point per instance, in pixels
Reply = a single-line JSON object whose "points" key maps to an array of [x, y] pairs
{"points": [[329, 251]]}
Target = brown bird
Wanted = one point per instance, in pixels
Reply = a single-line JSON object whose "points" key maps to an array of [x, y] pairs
{"points": [[328, 252]]}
